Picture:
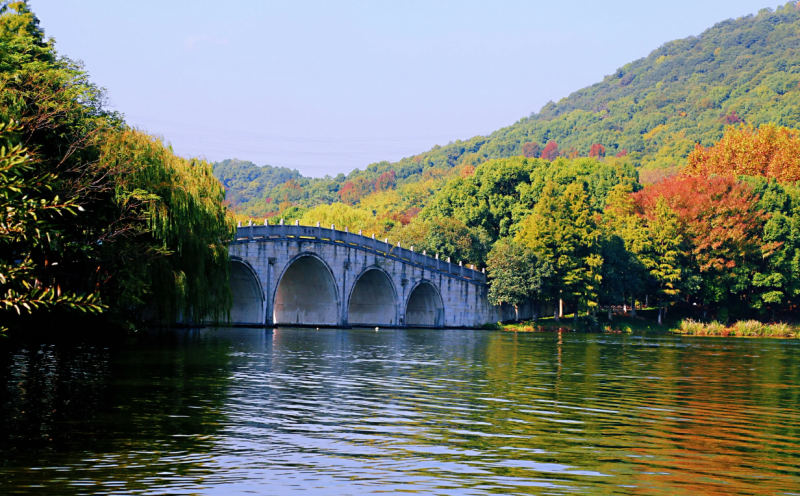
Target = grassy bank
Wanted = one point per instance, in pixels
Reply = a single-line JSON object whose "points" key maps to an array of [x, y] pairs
{"points": [[619, 324], [646, 322], [743, 328]]}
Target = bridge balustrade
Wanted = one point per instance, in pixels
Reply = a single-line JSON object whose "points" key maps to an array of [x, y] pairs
{"points": [[255, 233]]}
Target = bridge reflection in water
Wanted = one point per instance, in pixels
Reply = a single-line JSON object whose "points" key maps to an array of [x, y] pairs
{"points": [[299, 275]]}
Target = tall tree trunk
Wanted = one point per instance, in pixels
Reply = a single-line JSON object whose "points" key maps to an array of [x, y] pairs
{"points": [[659, 310], [633, 306]]}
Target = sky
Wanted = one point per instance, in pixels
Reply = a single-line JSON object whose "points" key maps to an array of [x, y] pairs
{"points": [[326, 87]]}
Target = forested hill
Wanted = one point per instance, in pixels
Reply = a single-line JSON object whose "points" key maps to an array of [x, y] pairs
{"points": [[652, 112], [683, 93], [245, 180]]}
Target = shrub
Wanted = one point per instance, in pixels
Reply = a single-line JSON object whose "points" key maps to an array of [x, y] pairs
{"points": [[714, 329], [689, 326], [749, 328], [779, 329]]}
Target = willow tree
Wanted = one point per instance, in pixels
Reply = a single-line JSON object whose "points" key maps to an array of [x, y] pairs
{"points": [[143, 228], [171, 258]]}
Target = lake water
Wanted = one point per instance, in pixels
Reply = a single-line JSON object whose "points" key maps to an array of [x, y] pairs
{"points": [[456, 412]]}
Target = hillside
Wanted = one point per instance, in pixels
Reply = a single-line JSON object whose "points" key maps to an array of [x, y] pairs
{"points": [[650, 112]]}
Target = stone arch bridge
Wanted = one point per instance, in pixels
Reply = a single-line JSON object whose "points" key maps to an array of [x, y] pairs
{"points": [[314, 276]]}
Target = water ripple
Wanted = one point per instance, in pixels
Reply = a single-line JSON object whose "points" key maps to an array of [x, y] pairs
{"points": [[435, 412]]}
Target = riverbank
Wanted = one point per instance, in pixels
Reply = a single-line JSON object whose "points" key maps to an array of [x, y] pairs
{"points": [[618, 325], [625, 324], [743, 328]]}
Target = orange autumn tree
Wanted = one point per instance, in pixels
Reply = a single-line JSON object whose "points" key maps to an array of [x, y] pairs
{"points": [[769, 151], [722, 227]]}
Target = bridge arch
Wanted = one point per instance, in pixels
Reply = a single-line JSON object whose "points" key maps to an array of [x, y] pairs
{"points": [[306, 293], [425, 306], [373, 299], [248, 296]]}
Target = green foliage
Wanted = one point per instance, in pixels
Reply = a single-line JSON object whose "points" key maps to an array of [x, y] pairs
{"points": [[517, 274], [340, 215], [94, 208], [742, 328], [174, 219], [28, 234], [502, 192], [662, 260], [562, 232], [245, 182], [651, 112], [777, 279]]}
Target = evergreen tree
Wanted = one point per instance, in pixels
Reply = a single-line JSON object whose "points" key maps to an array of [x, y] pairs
{"points": [[562, 232], [663, 259], [620, 219]]}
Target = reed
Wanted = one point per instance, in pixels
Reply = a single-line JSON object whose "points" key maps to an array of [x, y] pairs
{"points": [[750, 328], [742, 328], [782, 329], [691, 327]]}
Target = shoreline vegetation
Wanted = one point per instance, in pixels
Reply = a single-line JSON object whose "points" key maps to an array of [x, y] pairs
{"points": [[625, 324], [99, 217], [675, 181], [660, 188]]}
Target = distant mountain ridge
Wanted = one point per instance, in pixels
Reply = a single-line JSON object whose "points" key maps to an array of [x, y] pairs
{"points": [[652, 111], [245, 180]]}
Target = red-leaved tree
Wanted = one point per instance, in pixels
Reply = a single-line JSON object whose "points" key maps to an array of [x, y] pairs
{"points": [[531, 149], [721, 226], [732, 119], [597, 151], [386, 181], [353, 191], [550, 151]]}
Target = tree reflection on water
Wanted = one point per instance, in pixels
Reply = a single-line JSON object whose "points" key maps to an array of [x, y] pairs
{"points": [[224, 411]]}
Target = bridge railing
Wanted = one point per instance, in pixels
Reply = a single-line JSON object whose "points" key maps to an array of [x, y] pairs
{"points": [[383, 247]]}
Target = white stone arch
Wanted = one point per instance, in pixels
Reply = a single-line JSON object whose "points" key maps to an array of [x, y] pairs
{"points": [[424, 306], [306, 293], [248, 295], [373, 298]]}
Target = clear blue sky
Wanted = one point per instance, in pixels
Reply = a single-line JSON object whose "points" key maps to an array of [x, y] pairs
{"points": [[329, 86]]}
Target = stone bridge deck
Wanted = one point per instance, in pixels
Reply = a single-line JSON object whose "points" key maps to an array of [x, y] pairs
{"points": [[301, 275], [359, 241]]}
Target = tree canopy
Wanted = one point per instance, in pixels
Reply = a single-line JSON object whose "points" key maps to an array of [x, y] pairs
{"points": [[99, 216]]}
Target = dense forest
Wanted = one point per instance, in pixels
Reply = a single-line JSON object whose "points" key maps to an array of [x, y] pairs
{"points": [[675, 178], [650, 113], [98, 217]]}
